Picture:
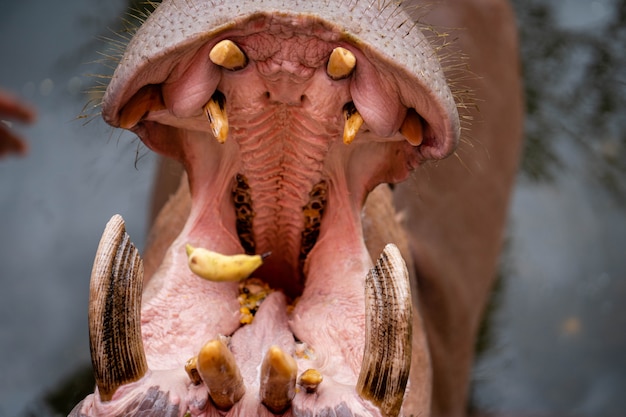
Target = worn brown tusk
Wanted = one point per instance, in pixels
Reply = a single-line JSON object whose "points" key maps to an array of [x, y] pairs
{"points": [[278, 380], [147, 99], [117, 353], [228, 55], [353, 123], [216, 112], [310, 380], [219, 372], [341, 63], [388, 314], [412, 128]]}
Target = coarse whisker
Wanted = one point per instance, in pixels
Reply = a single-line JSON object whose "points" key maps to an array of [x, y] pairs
{"points": [[462, 162]]}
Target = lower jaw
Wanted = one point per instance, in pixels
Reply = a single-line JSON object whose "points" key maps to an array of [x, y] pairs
{"points": [[325, 330]]}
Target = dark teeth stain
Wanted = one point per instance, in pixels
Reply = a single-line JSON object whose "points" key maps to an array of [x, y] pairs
{"points": [[349, 109], [244, 213], [219, 98], [312, 212]]}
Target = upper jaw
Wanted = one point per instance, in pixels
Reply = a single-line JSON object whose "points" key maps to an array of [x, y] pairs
{"points": [[284, 117], [166, 105], [407, 66]]}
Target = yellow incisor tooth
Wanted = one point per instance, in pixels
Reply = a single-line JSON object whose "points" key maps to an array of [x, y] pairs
{"points": [[354, 121], [219, 371], [278, 380], [340, 64], [412, 128], [216, 112], [310, 380], [228, 55], [191, 367], [216, 267]]}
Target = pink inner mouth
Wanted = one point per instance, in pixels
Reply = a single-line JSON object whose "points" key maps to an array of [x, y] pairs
{"points": [[285, 138], [286, 118]]}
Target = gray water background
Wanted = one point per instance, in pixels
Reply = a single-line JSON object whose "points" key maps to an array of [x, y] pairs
{"points": [[556, 339]]}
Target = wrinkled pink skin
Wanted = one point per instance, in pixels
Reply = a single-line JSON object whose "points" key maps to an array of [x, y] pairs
{"points": [[452, 213]]}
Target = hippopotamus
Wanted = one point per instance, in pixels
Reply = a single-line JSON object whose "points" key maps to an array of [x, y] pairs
{"points": [[366, 149]]}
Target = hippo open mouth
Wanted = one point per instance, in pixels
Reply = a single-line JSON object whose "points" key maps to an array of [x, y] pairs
{"points": [[285, 115]]}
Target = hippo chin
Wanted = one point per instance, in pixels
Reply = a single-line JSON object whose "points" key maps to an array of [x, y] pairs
{"points": [[296, 123]]}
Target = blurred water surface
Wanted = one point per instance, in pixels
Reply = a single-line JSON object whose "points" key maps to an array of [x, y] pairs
{"points": [[555, 333], [54, 203], [554, 340]]}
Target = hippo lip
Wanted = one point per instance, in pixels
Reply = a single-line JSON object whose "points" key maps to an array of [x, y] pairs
{"points": [[281, 152]]}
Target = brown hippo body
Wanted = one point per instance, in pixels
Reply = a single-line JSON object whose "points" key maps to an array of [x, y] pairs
{"points": [[285, 177]]}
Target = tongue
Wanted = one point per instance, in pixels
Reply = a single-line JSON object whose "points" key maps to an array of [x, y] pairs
{"points": [[269, 328], [250, 343]]}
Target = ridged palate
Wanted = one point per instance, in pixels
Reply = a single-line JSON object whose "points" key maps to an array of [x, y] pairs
{"points": [[282, 165]]}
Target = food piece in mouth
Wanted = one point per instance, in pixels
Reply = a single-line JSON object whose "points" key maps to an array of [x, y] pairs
{"points": [[281, 145], [217, 267], [252, 292]]}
